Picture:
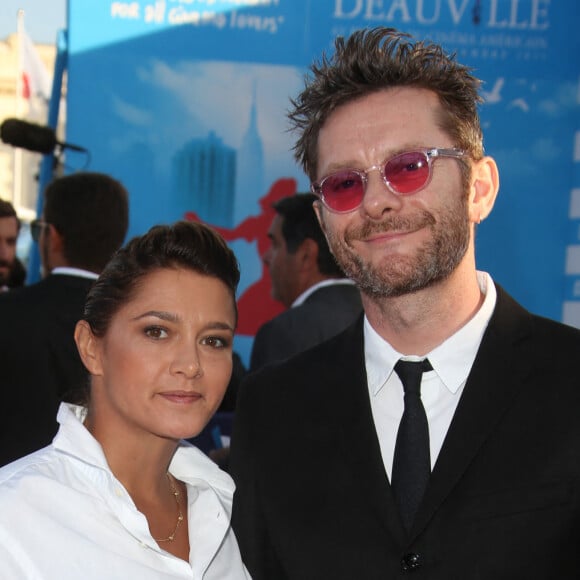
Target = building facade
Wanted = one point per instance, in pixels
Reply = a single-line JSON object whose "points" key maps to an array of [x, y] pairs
{"points": [[19, 168]]}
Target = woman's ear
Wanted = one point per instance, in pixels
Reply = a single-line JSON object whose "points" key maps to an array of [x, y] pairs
{"points": [[88, 346], [484, 189]]}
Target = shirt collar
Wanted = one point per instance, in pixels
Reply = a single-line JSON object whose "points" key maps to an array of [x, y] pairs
{"points": [[74, 439], [451, 360], [209, 493], [65, 270], [188, 463], [330, 282]]}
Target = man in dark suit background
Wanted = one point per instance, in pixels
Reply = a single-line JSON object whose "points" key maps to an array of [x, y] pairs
{"points": [[474, 472], [320, 300], [84, 221], [9, 230]]}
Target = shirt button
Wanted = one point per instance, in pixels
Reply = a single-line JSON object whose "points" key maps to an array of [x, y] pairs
{"points": [[410, 562], [118, 492]]}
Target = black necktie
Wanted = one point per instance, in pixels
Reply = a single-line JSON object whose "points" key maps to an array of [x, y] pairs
{"points": [[412, 463]]}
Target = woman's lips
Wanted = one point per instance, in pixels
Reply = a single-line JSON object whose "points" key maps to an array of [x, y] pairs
{"points": [[181, 397]]}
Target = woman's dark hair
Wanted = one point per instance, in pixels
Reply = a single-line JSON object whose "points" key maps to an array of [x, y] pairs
{"points": [[190, 245]]}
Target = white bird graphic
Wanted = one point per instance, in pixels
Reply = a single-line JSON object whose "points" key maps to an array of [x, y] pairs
{"points": [[494, 96]]}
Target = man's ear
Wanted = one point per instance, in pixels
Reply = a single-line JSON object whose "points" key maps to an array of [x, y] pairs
{"points": [[484, 189], [88, 346], [308, 251], [55, 239]]}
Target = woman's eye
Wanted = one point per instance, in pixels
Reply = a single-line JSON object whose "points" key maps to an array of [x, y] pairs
{"points": [[155, 332], [216, 341]]}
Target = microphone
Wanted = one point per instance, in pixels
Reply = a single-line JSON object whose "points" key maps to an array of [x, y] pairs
{"points": [[33, 137], [28, 136]]}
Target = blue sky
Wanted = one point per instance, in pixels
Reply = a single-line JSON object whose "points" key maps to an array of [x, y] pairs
{"points": [[42, 20]]}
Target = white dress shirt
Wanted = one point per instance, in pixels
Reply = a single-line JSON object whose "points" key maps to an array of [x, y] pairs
{"points": [[65, 516], [69, 271], [441, 388]]}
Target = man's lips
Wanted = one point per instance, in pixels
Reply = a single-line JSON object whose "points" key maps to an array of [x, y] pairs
{"points": [[181, 397], [389, 229], [388, 235]]}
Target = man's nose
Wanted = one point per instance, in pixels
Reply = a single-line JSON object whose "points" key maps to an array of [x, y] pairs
{"points": [[378, 197]]}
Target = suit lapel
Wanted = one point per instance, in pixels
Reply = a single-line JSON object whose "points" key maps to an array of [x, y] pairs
{"points": [[358, 438], [498, 373]]}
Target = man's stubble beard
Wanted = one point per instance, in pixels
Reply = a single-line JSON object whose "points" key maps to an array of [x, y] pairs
{"points": [[434, 261]]}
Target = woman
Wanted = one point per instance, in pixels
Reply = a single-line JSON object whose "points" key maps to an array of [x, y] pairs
{"points": [[118, 494]]}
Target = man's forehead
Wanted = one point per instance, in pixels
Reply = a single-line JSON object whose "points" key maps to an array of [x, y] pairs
{"points": [[8, 226]]}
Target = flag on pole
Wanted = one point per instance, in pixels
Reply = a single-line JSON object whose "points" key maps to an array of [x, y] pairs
{"points": [[34, 88], [35, 80]]}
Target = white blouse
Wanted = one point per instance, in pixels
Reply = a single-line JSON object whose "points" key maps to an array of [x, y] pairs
{"points": [[64, 516]]}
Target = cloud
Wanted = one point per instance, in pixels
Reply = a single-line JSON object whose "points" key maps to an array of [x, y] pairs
{"points": [[563, 100], [519, 104], [218, 95], [529, 163], [130, 113], [545, 149]]}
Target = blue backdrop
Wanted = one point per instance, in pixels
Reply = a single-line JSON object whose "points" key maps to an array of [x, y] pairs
{"points": [[185, 100]]}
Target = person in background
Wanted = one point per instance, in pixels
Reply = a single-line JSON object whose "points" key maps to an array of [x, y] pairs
{"points": [[118, 487], [437, 437], [17, 277], [320, 300], [9, 229], [84, 221]]}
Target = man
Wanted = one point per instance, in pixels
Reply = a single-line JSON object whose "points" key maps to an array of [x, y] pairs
{"points": [[328, 484], [84, 220], [9, 229], [307, 280]]}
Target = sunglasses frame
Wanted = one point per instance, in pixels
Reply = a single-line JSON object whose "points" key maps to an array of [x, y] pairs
{"points": [[430, 153]]}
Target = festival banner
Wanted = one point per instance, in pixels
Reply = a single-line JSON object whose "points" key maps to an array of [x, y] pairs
{"points": [[185, 102]]}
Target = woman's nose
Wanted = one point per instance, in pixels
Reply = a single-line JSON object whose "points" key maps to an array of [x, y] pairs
{"points": [[186, 361]]}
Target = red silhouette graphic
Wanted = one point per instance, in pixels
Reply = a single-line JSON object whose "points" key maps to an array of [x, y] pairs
{"points": [[256, 304]]}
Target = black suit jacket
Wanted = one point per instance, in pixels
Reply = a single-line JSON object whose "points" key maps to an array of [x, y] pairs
{"points": [[325, 313], [313, 500], [40, 362]]}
